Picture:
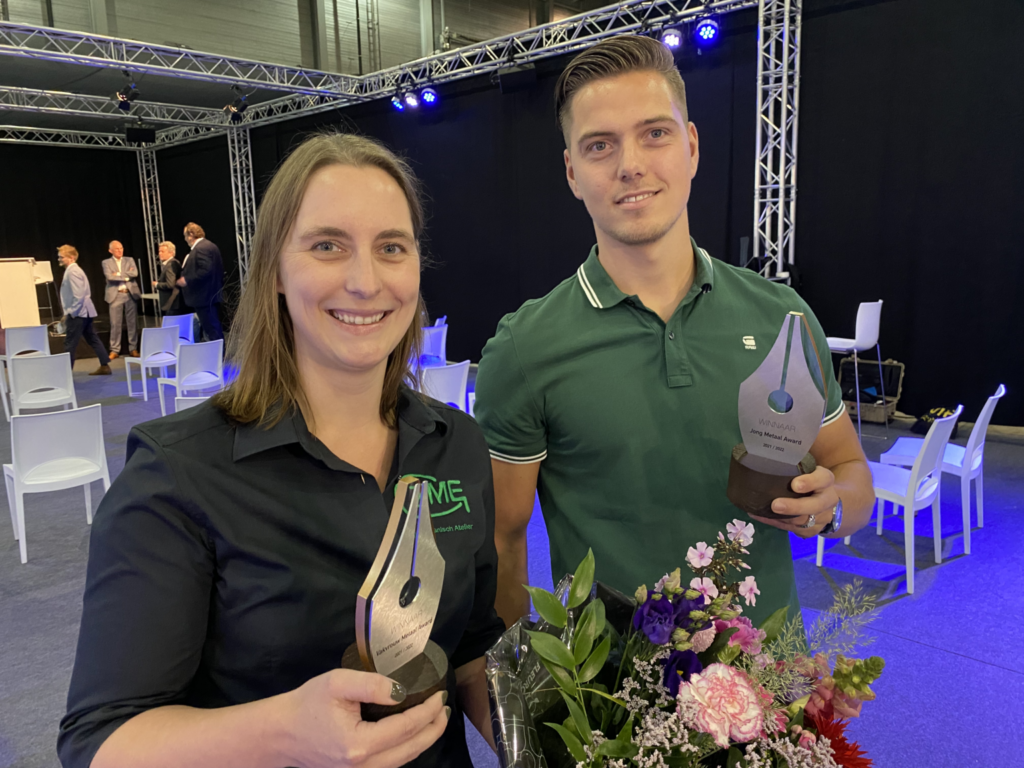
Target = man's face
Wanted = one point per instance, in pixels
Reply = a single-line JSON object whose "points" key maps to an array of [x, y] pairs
{"points": [[116, 249], [163, 252], [631, 156], [64, 260]]}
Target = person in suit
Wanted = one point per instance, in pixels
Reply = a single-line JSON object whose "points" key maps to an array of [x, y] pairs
{"points": [[171, 302], [202, 279], [76, 299], [122, 293]]}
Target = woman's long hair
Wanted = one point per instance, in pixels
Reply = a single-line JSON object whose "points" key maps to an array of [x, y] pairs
{"points": [[262, 340]]}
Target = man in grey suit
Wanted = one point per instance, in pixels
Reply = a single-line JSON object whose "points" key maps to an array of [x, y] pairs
{"points": [[122, 293], [79, 311]]}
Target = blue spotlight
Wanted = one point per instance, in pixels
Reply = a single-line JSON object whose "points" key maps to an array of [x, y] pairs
{"points": [[672, 39], [412, 100], [397, 103], [429, 97], [706, 32]]}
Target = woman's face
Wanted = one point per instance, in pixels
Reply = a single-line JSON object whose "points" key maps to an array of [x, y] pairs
{"points": [[350, 269]]}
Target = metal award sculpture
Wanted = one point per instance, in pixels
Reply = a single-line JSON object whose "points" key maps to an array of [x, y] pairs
{"points": [[781, 407], [397, 605]]}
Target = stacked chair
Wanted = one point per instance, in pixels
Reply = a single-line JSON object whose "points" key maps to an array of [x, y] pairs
{"points": [[30, 341]]}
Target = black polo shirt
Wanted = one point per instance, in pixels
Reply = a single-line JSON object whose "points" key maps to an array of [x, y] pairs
{"points": [[225, 560]]}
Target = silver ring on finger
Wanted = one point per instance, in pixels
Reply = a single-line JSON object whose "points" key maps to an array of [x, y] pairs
{"points": [[809, 523]]}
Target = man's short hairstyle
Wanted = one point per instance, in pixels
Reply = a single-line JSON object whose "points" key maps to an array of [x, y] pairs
{"points": [[68, 250], [169, 246], [610, 58], [194, 230], [115, 241]]}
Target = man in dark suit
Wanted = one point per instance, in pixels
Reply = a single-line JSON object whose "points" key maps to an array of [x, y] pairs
{"points": [[202, 279], [171, 302], [121, 294]]}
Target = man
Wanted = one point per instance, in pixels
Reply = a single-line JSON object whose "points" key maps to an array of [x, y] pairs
{"points": [[76, 299], [171, 302], [122, 293], [201, 281], [615, 396]]}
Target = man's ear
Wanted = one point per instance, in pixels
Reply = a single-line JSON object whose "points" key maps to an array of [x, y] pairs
{"points": [[694, 149], [570, 175]]}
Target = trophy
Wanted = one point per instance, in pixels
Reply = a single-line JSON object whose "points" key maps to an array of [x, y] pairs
{"points": [[397, 604], [781, 407]]}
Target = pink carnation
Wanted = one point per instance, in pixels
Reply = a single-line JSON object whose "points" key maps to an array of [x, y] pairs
{"points": [[702, 640], [748, 638], [722, 702]]}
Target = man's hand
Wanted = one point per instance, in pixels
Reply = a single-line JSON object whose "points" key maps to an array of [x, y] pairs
{"points": [[821, 503], [180, 282], [154, 283]]}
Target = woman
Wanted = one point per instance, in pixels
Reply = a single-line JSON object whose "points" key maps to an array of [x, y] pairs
{"points": [[226, 557]]}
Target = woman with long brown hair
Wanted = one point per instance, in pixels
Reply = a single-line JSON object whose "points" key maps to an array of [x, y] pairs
{"points": [[225, 559]]}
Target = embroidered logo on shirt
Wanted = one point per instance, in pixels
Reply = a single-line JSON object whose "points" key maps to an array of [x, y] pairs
{"points": [[749, 343], [445, 497]]}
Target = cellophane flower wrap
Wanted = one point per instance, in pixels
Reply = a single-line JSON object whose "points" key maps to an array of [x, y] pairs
{"points": [[677, 676]]}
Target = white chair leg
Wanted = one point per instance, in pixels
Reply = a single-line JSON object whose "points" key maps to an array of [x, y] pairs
{"points": [[9, 482], [908, 546], [821, 551], [128, 377], [856, 381], [88, 503], [19, 505], [881, 514], [145, 383], [980, 492], [160, 391], [937, 528], [881, 386], [846, 540], [965, 504]]}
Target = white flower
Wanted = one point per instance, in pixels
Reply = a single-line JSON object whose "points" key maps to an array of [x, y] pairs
{"points": [[701, 556], [740, 530], [706, 587], [748, 588]]}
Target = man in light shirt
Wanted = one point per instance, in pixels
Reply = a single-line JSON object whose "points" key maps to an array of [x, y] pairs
{"points": [[122, 293], [76, 299]]}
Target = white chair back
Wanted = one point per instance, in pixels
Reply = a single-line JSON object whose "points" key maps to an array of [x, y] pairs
{"points": [[159, 346], [184, 324], [442, 320], [201, 365], [927, 469], [41, 381], [447, 383], [976, 442], [181, 403], [45, 438], [869, 317], [29, 340], [435, 340]]}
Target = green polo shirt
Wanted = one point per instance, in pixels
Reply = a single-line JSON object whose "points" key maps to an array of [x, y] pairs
{"points": [[634, 419]]}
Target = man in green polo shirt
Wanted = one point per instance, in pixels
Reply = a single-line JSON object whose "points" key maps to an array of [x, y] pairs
{"points": [[615, 396]]}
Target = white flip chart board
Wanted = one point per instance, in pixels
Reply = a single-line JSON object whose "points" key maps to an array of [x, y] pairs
{"points": [[18, 303]]}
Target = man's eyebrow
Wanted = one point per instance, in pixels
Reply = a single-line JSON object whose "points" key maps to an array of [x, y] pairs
{"points": [[649, 121]]}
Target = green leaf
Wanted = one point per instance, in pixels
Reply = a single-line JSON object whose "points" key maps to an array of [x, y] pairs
{"points": [[579, 719], [561, 676], [728, 654], [616, 748], [573, 744], [582, 581], [626, 734], [599, 617], [720, 641], [735, 759], [548, 606], [552, 648], [773, 625], [583, 640], [595, 663], [604, 695]]}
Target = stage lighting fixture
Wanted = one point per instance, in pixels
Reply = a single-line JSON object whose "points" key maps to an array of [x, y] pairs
{"points": [[126, 96], [397, 103], [706, 32], [429, 97], [672, 38], [412, 100], [236, 108]]}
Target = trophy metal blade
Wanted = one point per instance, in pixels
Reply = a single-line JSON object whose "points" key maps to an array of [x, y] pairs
{"points": [[397, 604], [780, 404]]}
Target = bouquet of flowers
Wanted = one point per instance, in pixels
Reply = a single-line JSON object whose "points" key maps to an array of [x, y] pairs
{"points": [[678, 677]]}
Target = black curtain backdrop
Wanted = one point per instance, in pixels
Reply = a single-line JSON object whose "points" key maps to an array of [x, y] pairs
{"points": [[51, 196]]}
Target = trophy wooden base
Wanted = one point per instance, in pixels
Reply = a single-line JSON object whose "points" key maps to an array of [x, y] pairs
{"points": [[755, 482], [422, 676]]}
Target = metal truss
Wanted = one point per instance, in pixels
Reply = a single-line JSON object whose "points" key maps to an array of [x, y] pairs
{"points": [[16, 134], [778, 100], [243, 197], [152, 212], [101, 51], [59, 102]]}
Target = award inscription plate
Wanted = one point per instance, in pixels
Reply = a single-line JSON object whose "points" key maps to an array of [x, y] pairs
{"points": [[397, 605], [781, 406]]}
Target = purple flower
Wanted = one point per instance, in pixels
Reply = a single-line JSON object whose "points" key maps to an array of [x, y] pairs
{"points": [[681, 612], [655, 618], [678, 668]]}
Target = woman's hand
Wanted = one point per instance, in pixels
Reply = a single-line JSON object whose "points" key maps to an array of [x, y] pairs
{"points": [[324, 728]]}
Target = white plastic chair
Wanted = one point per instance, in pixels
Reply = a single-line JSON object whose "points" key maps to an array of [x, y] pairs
{"points": [[159, 349], [184, 324], [869, 317], [53, 452], [447, 383], [435, 340], [955, 462], [200, 367], [913, 489], [182, 403], [471, 403], [42, 382], [442, 320], [27, 341]]}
